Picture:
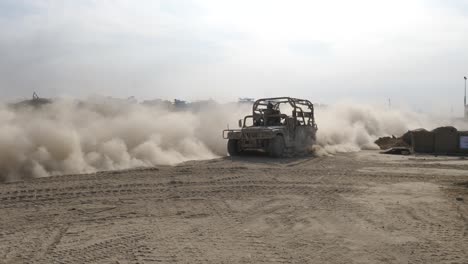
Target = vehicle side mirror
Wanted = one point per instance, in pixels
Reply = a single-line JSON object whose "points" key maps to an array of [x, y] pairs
{"points": [[240, 122]]}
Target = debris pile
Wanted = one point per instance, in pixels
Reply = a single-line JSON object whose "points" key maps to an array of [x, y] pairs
{"points": [[391, 142]]}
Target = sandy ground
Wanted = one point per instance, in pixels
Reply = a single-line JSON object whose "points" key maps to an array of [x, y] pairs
{"points": [[350, 208]]}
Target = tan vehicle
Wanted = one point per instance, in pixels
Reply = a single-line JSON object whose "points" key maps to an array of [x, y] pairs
{"points": [[274, 132]]}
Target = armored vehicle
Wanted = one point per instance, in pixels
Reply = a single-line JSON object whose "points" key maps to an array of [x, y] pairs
{"points": [[270, 129]]}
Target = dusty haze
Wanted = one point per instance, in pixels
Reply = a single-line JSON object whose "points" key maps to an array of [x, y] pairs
{"points": [[68, 136], [102, 134], [346, 127]]}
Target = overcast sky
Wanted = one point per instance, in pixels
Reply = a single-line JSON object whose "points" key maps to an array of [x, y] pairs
{"points": [[412, 51]]}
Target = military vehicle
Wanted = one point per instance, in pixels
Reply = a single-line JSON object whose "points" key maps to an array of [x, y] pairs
{"points": [[269, 130]]}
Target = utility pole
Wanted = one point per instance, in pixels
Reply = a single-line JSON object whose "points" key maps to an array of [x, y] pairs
{"points": [[464, 103]]}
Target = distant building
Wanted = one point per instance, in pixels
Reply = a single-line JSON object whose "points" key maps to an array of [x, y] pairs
{"points": [[246, 100], [158, 102], [178, 102], [320, 106]]}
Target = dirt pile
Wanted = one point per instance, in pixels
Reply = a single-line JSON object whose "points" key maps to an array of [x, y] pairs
{"points": [[394, 142], [390, 142]]}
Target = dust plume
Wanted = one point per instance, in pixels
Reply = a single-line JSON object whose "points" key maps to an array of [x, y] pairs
{"points": [[348, 127], [68, 136]]}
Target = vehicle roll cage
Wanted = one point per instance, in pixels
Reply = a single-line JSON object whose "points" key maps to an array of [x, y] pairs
{"points": [[303, 110]]}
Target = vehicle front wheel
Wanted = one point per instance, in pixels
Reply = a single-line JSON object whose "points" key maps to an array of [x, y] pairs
{"points": [[276, 147], [233, 147]]}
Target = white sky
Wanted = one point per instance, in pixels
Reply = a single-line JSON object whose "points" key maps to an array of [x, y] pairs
{"points": [[412, 51]]}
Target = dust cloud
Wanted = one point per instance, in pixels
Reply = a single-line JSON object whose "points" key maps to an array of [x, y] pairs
{"points": [[69, 136], [349, 127]]}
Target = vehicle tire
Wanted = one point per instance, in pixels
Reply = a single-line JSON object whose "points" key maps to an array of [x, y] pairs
{"points": [[233, 147], [276, 147]]}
